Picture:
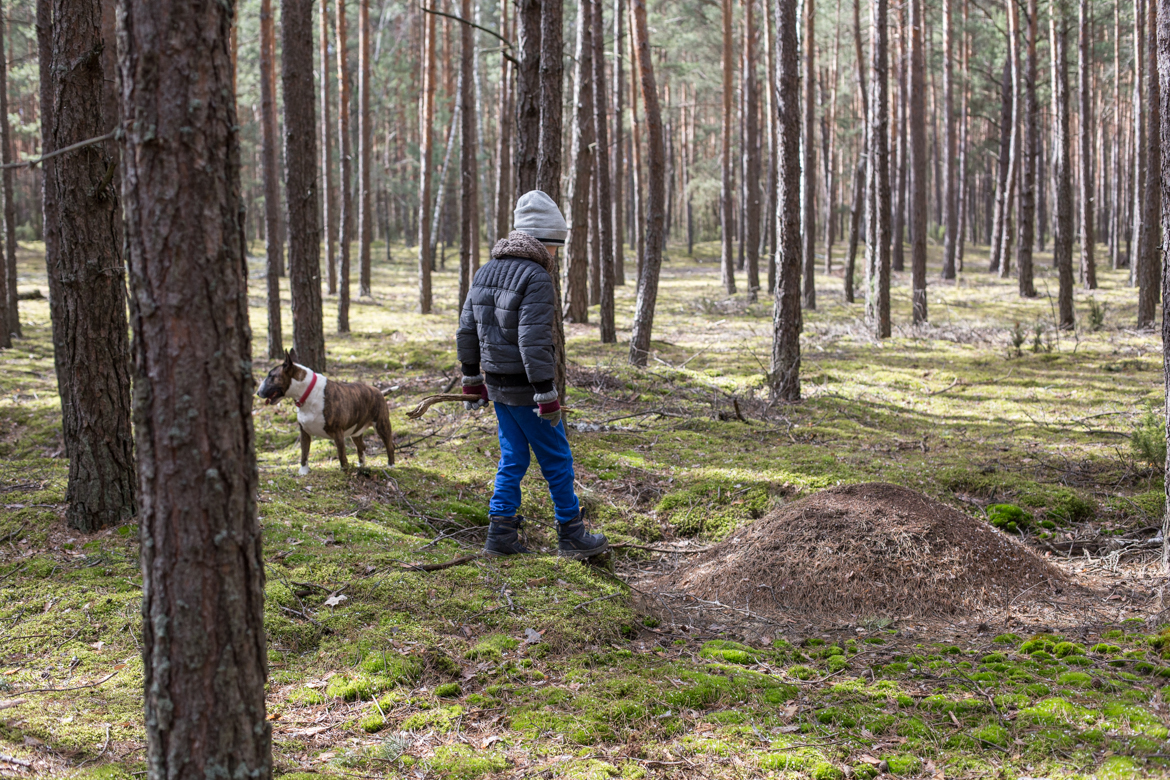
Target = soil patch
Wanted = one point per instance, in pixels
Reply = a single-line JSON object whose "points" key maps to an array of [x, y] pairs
{"points": [[866, 550]]}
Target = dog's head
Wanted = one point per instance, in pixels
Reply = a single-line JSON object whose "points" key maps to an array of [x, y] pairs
{"points": [[279, 379]]}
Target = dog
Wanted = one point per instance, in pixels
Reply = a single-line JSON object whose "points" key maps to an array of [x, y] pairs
{"points": [[329, 409]]}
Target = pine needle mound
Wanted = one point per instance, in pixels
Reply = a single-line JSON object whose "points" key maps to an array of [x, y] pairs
{"points": [[866, 550]]}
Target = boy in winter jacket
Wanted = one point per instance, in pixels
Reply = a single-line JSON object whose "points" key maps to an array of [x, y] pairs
{"points": [[505, 346]]}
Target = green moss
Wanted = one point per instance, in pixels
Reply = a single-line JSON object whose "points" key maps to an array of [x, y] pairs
{"points": [[1104, 648], [1008, 639], [372, 723], [1054, 712], [801, 672], [823, 770], [492, 648], [359, 687], [391, 665], [308, 697], [440, 719], [448, 690], [458, 762], [903, 764], [783, 762], [995, 734], [732, 652], [1008, 517], [1118, 768], [1075, 679]]}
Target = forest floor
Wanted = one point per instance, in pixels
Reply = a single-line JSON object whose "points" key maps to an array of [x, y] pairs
{"points": [[540, 667]]}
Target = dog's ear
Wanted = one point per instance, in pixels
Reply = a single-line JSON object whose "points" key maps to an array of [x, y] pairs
{"points": [[291, 357]]}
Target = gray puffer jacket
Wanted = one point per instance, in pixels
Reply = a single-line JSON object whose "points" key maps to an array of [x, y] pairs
{"points": [[506, 326]]}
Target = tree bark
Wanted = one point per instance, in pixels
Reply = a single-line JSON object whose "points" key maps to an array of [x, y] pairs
{"points": [[784, 377], [300, 181], [606, 213], [950, 212], [469, 147], [204, 650], [962, 204], [1162, 73], [426, 154], [859, 173], [1151, 240], [637, 192], [271, 175], [1004, 169], [548, 169], [898, 216], [918, 183], [751, 155], [576, 299], [829, 164], [877, 218], [1007, 238], [1084, 87], [87, 293], [619, 146], [365, 214], [9, 309], [504, 172], [808, 213], [656, 201], [329, 199], [773, 170], [1062, 239], [343, 109], [726, 198], [1115, 224], [1029, 161], [527, 95]]}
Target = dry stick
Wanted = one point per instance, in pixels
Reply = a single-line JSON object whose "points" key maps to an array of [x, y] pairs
{"points": [[72, 147], [7, 705], [17, 761], [623, 545], [75, 688], [431, 400], [445, 565]]}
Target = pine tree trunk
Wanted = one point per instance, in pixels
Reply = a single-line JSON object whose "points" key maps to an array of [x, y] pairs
{"points": [[1062, 238], [365, 214], [300, 181], [877, 218], [1029, 161], [1007, 238], [576, 298], [275, 251], [9, 310], [1151, 240], [605, 211], [548, 169], [329, 199], [469, 148], [726, 219], [1115, 221], [1003, 168], [963, 204], [656, 201], [619, 146], [1162, 72], [784, 377], [637, 191], [859, 173], [918, 183], [504, 172], [426, 161], [773, 162], [204, 650], [1140, 128], [751, 206], [346, 234], [898, 215], [1084, 55], [527, 95], [830, 162], [87, 294], [950, 212], [808, 213]]}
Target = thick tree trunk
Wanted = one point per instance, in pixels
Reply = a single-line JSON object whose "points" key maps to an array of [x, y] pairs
{"points": [[964, 124], [726, 219], [950, 216], [1084, 87], [1003, 169], [877, 217], [9, 309], [606, 213], [346, 234], [204, 651], [1029, 161], [300, 181], [751, 155], [656, 201], [637, 191], [87, 293], [275, 250], [548, 169], [619, 146], [576, 299], [527, 95], [784, 377], [426, 155], [1062, 239], [1162, 73], [808, 212], [1151, 240], [329, 198], [468, 168], [918, 183], [365, 214]]}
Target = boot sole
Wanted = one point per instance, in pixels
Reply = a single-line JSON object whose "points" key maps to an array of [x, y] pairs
{"points": [[493, 554], [581, 555]]}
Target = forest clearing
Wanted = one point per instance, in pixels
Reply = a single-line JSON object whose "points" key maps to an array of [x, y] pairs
{"points": [[541, 667]]}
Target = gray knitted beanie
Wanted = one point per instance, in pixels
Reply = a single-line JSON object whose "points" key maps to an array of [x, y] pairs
{"points": [[537, 215]]}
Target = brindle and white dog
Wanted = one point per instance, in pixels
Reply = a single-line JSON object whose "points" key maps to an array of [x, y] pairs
{"points": [[329, 409]]}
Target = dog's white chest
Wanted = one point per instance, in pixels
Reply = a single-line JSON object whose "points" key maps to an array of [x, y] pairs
{"points": [[311, 414]]}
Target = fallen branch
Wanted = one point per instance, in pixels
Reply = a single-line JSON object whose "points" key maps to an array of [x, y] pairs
{"points": [[948, 387], [441, 398], [444, 565], [74, 688], [17, 761], [72, 147], [7, 705]]}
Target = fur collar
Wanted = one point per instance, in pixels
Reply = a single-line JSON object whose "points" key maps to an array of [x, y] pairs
{"points": [[525, 247]]}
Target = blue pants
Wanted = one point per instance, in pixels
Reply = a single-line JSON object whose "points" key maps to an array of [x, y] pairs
{"points": [[521, 428]]}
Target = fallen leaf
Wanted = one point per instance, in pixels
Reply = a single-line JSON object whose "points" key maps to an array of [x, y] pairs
{"points": [[119, 666], [273, 716], [333, 601], [98, 646], [868, 759], [488, 742], [531, 636], [538, 581], [790, 729], [11, 671], [309, 732]]}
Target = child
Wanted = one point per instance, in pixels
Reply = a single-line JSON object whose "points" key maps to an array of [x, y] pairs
{"points": [[506, 329]]}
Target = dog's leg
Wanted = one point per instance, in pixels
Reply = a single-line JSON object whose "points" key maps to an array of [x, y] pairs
{"points": [[306, 442], [339, 440], [361, 448], [386, 434]]}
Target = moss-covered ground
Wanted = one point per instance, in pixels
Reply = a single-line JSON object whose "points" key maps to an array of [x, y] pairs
{"points": [[539, 667]]}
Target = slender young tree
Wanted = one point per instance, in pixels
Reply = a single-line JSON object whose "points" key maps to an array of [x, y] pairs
{"points": [[204, 650], [527, 95], [784, 375], [656, 201], [343, 109], [275, 251], [877, 217], [1138, 154], [726, 198], [898, 217], [577, 251], [950, 201], [469, 147], [859, 172], [1062, 239], [770, 120], [1003, 170], [504, 172], [962, 205], [751, 154], [1085, 152], [548, 168], [829, 164], [619, 145], [1007, 237], [1151, 239], [426, 117], [300, 181], [918, 184], [365, 215], [605, 211], [329, 198], [1162, 73], [808, 212], [1029, 161], [83, 257], [9, 311]]}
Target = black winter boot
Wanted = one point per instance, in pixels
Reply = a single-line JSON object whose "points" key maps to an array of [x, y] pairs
{"points": [[574, 542], [504, 537]]}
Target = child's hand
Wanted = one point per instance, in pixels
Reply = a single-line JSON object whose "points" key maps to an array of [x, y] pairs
{"points": [[474, 392], [550, 410]]}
